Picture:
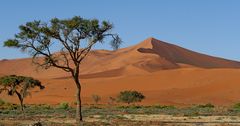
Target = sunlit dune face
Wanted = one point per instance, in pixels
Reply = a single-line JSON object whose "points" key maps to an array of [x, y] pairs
{"points": [[164, 73]]}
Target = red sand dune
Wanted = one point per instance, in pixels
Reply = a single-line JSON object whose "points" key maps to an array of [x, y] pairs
{"points": [[165, 73]]}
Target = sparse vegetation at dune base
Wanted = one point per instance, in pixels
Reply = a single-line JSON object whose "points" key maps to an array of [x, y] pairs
{"points": [[103, 114]]}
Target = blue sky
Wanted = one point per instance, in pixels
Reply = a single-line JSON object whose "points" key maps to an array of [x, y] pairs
{"points": [[207, 26]]}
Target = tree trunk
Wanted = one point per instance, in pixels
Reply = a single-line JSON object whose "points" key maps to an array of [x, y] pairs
{"points": [[79, 102], [21, 104], [21, 101]]}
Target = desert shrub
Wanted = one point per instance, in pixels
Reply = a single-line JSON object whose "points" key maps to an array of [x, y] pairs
{"points": [[94, 107], [130, 107], [236, 106], [63, 105], [136, 107], [163, 107], [41, 106], [191, 113], [121, 107], [2, 102], [112, 100], [96, 98], [37, 124], [5, 112], [204, 110], [130, 97], [206, 106], [10, 106], [45, 106]]}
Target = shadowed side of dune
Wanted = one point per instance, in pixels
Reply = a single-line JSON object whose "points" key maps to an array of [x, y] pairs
{"points": [[176, 54]]}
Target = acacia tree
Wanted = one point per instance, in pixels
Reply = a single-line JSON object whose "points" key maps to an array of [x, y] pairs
{"points": [[18, 85], [75, 38]]}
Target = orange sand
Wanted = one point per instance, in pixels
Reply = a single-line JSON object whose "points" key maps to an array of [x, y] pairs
{"points": [[165, 73]]}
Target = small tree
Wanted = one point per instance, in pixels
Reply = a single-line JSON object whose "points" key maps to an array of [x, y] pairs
{"points": [[72, 38], [19, 85], [96, 98], [130, 97]]}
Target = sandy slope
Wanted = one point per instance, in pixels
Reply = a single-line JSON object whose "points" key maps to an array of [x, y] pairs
{"points": [[179, 87], [165, 73]]}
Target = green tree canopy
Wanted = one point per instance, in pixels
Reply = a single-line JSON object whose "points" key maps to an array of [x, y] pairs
{"points": [[19, 85]]}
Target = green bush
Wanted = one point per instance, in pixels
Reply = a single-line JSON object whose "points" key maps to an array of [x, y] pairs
{"points": [[2, 102], [10, 106], [45, 106], [136, 107], [63, 105], [130, 107], [95, 107], [41, 106], [237, 106], [130, 97], [164, 107], [206, 106]]}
